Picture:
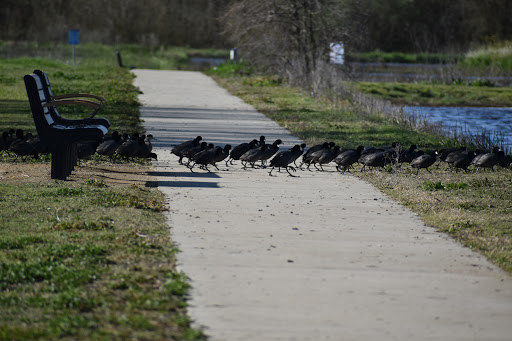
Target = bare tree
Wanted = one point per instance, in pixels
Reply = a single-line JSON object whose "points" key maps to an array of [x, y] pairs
{"points": [[285, 36]]}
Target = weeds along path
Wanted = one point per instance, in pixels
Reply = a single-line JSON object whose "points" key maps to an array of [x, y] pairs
{"points": [[323, 256]]}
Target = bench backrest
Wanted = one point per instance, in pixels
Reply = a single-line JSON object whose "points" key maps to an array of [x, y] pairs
{"points": [[47, 89], [37, 98]]}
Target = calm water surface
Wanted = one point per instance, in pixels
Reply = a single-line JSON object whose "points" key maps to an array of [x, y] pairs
{"points": [[473, 119]]}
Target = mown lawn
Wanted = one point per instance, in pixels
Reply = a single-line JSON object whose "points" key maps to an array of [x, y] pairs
{"points": [[86, 258]]}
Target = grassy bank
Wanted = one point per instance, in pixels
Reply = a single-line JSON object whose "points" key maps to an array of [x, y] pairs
{"points": [[476, 94], [474, 208], [88, 258]]}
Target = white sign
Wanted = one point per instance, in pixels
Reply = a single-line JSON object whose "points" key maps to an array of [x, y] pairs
{"points": [[337, 53]]}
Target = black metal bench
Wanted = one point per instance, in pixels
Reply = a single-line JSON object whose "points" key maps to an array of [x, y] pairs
{"points": [[61, 135]]}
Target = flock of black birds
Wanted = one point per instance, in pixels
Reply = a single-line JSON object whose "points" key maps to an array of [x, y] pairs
{"points": [[258, 153], [22, 145]]}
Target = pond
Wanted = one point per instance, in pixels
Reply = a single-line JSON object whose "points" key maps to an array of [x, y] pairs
{"points": [[495, 122]]}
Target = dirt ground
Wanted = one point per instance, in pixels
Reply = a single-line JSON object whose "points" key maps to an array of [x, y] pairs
{"points": [[110, 173]]}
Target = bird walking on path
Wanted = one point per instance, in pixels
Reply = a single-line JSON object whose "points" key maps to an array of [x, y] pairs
{"points": [[178, 150], [240, 150], [347, 158], [285, 158], [252, 156]]}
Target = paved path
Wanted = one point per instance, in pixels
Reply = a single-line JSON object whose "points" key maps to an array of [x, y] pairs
{"points": [[323, 256]]}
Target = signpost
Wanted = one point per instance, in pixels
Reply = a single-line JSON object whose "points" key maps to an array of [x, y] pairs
{"points": [[73, 37], [337, 53]]}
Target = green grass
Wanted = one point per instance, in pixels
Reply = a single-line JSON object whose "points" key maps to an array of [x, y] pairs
{"points": [[114, 84], [88, 261], [439, 94], [84, 260], [400, 57], [474, 208], [92, 54], [496, 57]]}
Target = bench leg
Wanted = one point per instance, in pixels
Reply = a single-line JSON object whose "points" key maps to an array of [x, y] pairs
{"points": [[59, 167], [63, 161]]}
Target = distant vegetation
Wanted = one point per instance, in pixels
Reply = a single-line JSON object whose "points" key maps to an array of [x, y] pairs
{"points": [[94, 54], [497, 57], [401, 57]]}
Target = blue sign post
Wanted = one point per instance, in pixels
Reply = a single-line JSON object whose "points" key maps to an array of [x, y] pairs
{"points": [[73, 37]]}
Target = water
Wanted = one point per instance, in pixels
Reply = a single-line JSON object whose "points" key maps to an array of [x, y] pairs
{"points": [[493, 121]]}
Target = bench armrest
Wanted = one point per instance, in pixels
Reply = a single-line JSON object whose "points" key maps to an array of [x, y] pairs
{"points": [[78, 95], [95, 105]]}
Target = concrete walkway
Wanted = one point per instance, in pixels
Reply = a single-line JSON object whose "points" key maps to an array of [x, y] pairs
{"points": [[323, 256]]}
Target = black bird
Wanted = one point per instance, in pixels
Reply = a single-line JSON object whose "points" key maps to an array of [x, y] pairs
{"points": [[285, 158], [143, 150], [129, 148], [178, 150], [324, 156], [207, 157], [109, 146], [488, 160], [270, 151], [506, 161], [4, 141], [296, 155], [377, 159], [190, 152], [85, 150], [443, 153], [148, 143], [240, 150], [463, 161], [261, 142], [252, 156], [317, 147], [307, 156], [20, 147], [460, 157], [223, 155], [408, 155], [347, 158], [211, 156], [423, 161]]}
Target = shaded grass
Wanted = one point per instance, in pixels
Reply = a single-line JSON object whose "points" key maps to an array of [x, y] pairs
{"points": [[88, 261], [114, 84], [474, 208], [438, 94]]}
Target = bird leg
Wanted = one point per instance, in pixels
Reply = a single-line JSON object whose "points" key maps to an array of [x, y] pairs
{"points": [[289, 171]]}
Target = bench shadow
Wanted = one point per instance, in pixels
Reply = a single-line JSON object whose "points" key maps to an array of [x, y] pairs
{"points": [[181, 183], [185, 174]]}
